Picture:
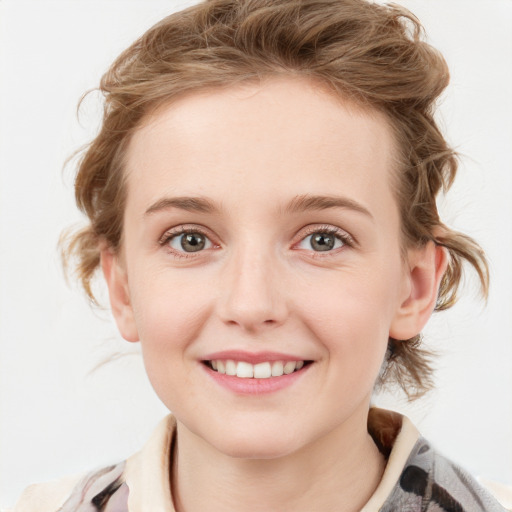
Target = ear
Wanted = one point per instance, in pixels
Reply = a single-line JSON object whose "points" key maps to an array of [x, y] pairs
{"points": [[117, 282], [426, 267]]}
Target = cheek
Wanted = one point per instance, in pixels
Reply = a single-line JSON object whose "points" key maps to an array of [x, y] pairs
{"points": [[351, 311], [169, 313], [353, 332], [169, 319]]}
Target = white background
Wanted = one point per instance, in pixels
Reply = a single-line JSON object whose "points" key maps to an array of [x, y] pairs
{"points": [[58, 418]]}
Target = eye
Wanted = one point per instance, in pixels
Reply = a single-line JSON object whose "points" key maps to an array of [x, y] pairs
{"points": [[324, 240], [190, 241]]}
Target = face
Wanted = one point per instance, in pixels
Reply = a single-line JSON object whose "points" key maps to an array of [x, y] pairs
{"points": [[261, 264]]}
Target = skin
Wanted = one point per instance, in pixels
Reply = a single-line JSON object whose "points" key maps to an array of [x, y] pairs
{"points": [[259, 285]]}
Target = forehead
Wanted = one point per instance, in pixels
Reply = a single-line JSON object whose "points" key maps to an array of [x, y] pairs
{"points": [[276, 139]]}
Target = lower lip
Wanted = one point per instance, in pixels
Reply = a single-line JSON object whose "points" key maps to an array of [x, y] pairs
{"points": [[255, 386]]}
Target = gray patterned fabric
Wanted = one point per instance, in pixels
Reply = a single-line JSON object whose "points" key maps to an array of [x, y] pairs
{"points": [[431, 483], [103, 490], [428, 483]]}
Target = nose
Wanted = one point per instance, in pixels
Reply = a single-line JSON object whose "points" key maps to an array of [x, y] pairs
{"points": [[253, 291]]}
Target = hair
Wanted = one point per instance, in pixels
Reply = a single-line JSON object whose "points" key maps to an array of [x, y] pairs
{"points": [[373, 55]]}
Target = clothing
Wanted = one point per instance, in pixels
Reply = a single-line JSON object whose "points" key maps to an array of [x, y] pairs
{"points": [[416, 478]]}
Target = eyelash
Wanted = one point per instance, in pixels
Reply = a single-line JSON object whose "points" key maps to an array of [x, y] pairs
{"points": [[341, 235], [168, 236]]}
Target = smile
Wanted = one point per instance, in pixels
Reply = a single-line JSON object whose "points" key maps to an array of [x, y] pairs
{"points": [[263, 370]]}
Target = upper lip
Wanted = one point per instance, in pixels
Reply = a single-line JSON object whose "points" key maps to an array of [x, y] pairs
{"points": [[252, 357]]}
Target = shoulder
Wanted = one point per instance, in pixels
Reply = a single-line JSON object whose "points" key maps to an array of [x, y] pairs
{"points": [[417, 476], [71, 494], [429, 477], [142, 479], [47, 496]]}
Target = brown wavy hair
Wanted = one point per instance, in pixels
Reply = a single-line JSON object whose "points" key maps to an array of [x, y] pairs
{"points": [[373, 55]]}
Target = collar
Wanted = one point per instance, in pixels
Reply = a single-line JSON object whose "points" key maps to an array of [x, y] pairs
{"points": [[147, 472]]}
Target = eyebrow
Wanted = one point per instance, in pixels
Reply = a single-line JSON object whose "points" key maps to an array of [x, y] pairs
{"points": [[309, 202], [298, 204], [190, 204]]}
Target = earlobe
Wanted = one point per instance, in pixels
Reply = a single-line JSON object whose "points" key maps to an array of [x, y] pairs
{"points": [[427, 266], [117, 283]]}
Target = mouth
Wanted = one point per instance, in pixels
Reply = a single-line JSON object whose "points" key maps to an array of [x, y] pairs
{"points": [[262, 370]]}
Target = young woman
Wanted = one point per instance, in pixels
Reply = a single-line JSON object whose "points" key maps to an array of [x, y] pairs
{"points": [[262, 205]]}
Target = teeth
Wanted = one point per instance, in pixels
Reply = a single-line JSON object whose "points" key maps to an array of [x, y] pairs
{"points": [[289, 367], [230, 367], [244, 370], [277, 369], [264, 370]]}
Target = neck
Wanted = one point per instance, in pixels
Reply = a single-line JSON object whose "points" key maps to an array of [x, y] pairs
{"points": [[344, 468]]}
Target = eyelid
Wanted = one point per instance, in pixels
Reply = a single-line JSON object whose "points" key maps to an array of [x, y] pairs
{"points": [[344, 236], [184, 229]]}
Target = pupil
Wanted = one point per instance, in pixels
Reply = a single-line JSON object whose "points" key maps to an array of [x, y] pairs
{"points": [[322, 242], [192, 242]]}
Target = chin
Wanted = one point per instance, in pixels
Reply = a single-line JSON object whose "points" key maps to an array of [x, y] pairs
{"points": [[258, 442], [257, 449]]}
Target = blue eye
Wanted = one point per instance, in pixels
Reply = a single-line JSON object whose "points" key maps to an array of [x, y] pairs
{"points": [[321, 241], [192, 241]]}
